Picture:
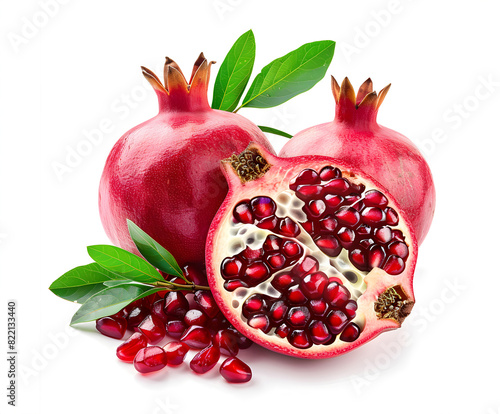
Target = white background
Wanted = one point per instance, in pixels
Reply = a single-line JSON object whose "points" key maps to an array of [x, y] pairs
{"points": [[82, 69]]}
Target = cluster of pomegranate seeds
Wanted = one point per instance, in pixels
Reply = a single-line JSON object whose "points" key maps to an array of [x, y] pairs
{"points": [[252, 267], [312, 308], [193, 320], [341, 214]]}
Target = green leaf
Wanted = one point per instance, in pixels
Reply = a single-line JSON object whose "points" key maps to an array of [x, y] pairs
{"points": [[290, 75], [124, 263], [153, 252], [234, 73], [82, 282], [113, 283], [111, 300], [274, 131]]}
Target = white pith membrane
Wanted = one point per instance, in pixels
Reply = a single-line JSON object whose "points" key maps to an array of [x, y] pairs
{"points": [[365, 287]]}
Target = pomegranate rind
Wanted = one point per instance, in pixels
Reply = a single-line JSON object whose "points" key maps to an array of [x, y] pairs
{"points": [[275, 181]]}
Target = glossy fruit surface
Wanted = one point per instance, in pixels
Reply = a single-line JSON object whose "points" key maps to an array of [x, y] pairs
{"points": [[355, 137], [164, 174]]}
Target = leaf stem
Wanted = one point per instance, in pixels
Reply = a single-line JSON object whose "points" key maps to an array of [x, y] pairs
{"points": [[177, 286]]}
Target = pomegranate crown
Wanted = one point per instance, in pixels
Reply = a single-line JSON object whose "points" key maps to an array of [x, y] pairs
{"points": [[361, 107], [177, 93]]}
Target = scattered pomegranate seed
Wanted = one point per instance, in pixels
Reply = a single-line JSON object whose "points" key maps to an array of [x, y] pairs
{"points": [[112, 327], [195, 317], [136, 316], [176, 305], [150, 359], [205, 360], [152, 328], [196, 337], [206, 302], [227, 342], [175, 352], [128, 349], [235, 371], [175, 328]]}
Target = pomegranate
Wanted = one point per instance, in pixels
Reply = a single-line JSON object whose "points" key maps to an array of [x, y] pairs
{"points": [[164, 174], [308, 256], [355, 137]]}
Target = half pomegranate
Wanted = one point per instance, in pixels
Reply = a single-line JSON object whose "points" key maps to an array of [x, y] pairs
{"points": [[355, 137], [164, 174], [307, 256]]}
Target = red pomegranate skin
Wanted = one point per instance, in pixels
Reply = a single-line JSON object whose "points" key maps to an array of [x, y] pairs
{"points": [[165, 174], [355, 137]]}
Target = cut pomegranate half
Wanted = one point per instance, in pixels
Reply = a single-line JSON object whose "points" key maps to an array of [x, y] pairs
{"points": [[307, 256]]}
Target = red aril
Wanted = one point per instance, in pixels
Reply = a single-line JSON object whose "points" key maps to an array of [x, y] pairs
{"points": [[176, 352], [340, 286], [150, 359], [164, 174], [205, 360], [236, 371], [114, 327], [128, 350], [196, 337], [153, 328], [355, 137]]}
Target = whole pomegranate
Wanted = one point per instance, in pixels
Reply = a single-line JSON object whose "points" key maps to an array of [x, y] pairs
{"points": [[308, 256], [355, 137], [164, 174]]}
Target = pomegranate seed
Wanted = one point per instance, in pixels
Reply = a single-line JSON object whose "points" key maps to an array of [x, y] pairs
{"points": [[150, 359], [307, 176], [295, 296], [195, 317], [309, 192], [251, 254], [394, 265], [254, 304], [282, 282], [329, 173], [314, 284], [112, 327], [268, 223], [278, 311], [319, 332], [153, 329], [157, 310], [298, 316], [383, 234], [351, 333], [366, 243], [399, 249], [136, 316], [263, 207], [196, 337], [308, 265], [175, 328], [176, 352], [364, 230], [337, 186], [299, 339], [374, 198], [195, 275], [206, 302], [318, 307], [289, 228], [392, 217], [346, 237], [329, 245], [243, 341], [243, 213], [376, 256], [398, 235], [272, 243], [232, 285], [276, 261], [231, 267], [317, 208], [128, 349], [291, 249], [350, 309], [336, 321], [176, 305], [235, 371], [336, 295], [348, 216], [257, 272], [328, 224], [216, 324], [227, 342], [282, 331], [333, 201], [358, 259], [205, 360], [308, 226], [373, 215], [260, 321]]}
